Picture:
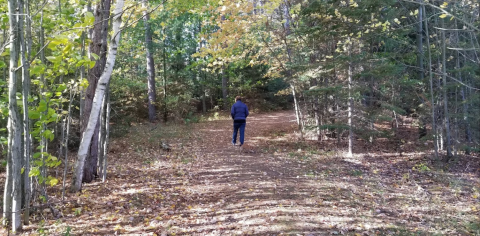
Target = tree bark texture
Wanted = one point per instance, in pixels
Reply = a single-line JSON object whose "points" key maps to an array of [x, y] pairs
{"points": [[150, 65], [434, 123], [445, 93], [24, 27], [13, 186], [98, 98], [99, 47], [350, 110], [105, 130]]}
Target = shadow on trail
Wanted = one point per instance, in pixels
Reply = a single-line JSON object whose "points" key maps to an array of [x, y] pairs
{"points": [[275, 186]]}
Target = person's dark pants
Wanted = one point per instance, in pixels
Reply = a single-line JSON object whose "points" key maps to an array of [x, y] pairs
{"points": [[236, 127]]}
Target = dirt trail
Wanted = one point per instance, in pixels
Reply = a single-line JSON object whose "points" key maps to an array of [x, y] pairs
{"points": [[251, 191], [276, 185]]}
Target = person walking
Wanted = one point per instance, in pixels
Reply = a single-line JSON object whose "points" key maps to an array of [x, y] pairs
{"points": [[239, 115]]}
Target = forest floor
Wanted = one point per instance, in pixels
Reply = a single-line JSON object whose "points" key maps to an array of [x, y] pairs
{"points": [[276, 185]]}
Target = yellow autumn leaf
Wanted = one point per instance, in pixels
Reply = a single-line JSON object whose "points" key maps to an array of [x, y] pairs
{"points": [[443, 16], [444, 5]]}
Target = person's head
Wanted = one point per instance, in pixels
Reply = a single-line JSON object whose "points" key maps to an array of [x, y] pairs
{"points": [[238, 98]]}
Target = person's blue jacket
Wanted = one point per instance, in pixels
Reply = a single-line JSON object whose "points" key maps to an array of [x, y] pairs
{"points": [[239, 111]]}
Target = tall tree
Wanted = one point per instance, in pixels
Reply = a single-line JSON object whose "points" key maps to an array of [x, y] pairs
{"points": [[13, 187], [98, 49], [98, 98], [150, 64], [25, 47]]}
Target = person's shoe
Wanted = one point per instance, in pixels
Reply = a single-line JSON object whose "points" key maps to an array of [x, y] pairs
{"points": [[234, 144]]}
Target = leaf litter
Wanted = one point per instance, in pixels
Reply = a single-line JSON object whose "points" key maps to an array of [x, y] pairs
{"points": [[275, 185]]}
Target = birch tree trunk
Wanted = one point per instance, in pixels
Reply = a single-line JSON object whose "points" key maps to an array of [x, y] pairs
{"points": [[97, 100], [286, 28], [434, 124], [150, 65], [24, 26], [350, 111], [445, 94], [98, 46], [297, 111], [105, 134], [13, 186]]}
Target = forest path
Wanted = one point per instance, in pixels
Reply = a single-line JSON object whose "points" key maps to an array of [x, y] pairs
{"points": [[256, 189], [253, 190], [276, 185]]}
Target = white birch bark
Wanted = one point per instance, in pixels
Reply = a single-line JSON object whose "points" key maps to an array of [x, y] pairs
{"points": [[350, 111], [445, 94], [24, 26], [14, 127], [434, 124], [152, 112], [106, 124], [97, 100]]}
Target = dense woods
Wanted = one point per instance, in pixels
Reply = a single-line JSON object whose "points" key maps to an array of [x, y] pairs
{"points": [[353, 71]]}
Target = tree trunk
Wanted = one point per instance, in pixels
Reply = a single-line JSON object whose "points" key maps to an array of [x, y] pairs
{"points": [[24, 26], [297, 111], [350, 111], [97, 100], [105, 134], [98, 46], [14, 187], [434, 124], [200, 78], [150, 65], [445, 94], [165, 110], [224, 88], [65, 142], [420, 42], [90, 169], [316, 110], [82, 76]]}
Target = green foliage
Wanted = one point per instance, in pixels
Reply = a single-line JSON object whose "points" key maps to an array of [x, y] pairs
{"points": [[421, 167]]}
